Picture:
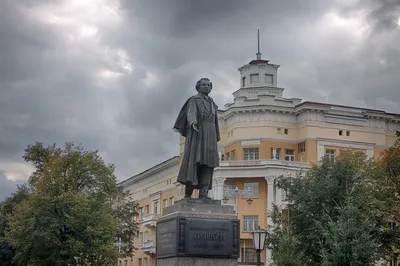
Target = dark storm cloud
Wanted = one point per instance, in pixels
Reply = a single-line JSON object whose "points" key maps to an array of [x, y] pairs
{"points": [[115, 80]]}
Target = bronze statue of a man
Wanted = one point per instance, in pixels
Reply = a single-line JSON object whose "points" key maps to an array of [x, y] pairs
{"points": [[198, 123]]}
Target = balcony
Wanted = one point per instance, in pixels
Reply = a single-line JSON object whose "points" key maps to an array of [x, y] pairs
{"points": [[264, 163], [149, 247], [150, 220]]}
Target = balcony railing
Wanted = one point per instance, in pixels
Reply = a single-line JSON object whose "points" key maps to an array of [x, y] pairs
{"points": [[264, 162], [149, 247], [150, 220]]}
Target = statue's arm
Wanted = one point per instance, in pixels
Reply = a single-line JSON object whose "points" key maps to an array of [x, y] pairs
{"points": [[192, 114]]}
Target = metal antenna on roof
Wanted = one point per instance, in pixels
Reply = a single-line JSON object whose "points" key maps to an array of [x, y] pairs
{"points": [[258, 42]]}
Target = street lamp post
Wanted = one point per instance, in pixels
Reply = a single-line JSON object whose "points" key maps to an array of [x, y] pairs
{"points": [[258, 243], [236, 193]]}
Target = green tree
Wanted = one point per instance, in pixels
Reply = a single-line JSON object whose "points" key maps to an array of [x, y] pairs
{"points": [[385, 187], [349, 240], [313, 199], [283, 242], [75, 212], [7, 207]]}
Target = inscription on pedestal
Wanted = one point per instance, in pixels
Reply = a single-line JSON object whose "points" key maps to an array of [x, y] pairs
{"points": [[187, 237]]}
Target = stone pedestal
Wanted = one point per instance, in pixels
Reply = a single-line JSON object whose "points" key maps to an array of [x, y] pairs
{"points": [[198, 232]]}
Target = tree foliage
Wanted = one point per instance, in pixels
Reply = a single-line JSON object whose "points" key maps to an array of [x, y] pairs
{"points": [[314, 199], [350, 239], [283, 242], [7, 207], [75, 211]]}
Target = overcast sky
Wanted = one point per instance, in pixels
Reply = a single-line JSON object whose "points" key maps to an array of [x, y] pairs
{"points": [[113, 74]]}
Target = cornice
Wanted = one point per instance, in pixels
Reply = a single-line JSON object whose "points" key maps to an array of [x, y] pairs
{"points": [[151, 171]]}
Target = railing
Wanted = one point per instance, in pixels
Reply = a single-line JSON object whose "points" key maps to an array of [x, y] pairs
{"points": [[151, 217], [264, 162], [149, 247]]}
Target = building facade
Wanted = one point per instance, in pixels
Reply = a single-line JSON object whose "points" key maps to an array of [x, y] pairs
{"points": [[264, 137]]}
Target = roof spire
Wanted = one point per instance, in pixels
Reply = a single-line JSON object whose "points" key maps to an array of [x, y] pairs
{"points": [[258, 54]]}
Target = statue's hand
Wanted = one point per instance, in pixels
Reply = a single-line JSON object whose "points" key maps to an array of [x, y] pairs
{"points": [[194, 126]]}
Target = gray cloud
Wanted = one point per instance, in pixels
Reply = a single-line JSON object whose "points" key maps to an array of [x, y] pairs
{"points": [[114, 77]]}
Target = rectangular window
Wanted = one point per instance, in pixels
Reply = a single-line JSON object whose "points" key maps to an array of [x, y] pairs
{"points": [[140, 262], [340, 132], [171, 201], [269, 79], [301, 146], [155, 207], [254, 79], [146, 236], [145, 262], [227, 156], [147, 210], [286, 131], [250, 154], [126, 263], [276, 155], [249, 255], [250, 223], [252, 187], [141, 238], [279, 131], [140, 213], [347, 133], [289, 155], [330, 155], [131, 262], [233, 155], [165, 203], [243, 81]]}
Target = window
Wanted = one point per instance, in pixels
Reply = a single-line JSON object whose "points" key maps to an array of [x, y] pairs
{"points": [[146, 236], [250, 223], [165, 203], [286, 131], [301, 146], [141, 238], [227, 156], [251, 186], [169, 181], [140, 213], [347, 133], [145, 262], [330, 155], [250, 154], [340, 132], [279, 131], [140, 262], [243, 81], [126, 263], [171, 201], [254, 79], [147, 210], [131, 262], [276, 155], [155, 207], [249, 255], [289, 155], [269, 79], [233, 155]]}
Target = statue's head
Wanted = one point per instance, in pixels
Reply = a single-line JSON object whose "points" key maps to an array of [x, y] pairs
{"points": [[204, 86]]}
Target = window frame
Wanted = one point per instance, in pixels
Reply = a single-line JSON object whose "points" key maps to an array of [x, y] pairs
{"points": [[290, 157], [330, 157], [251, 152], [255, 75], [250, 219], [255, 190]]}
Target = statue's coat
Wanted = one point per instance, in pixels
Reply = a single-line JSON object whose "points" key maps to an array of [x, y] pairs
{"points": [[200, 146]]}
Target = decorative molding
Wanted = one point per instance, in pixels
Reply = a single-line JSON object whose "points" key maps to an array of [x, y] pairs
{"points": [[321, 147], [270, 180], [247, 143]]}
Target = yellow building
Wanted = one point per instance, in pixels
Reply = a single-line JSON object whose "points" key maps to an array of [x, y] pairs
{"points": [[264, 137]]}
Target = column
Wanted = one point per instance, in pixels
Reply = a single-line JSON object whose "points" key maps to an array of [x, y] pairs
{"points": [[218, 188], [271, 200]]}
